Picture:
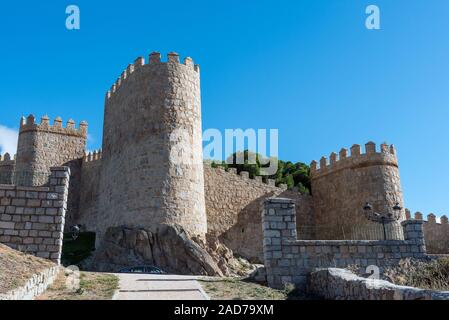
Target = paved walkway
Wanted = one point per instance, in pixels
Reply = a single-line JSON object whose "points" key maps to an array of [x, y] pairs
{"points": [[158, 287]]}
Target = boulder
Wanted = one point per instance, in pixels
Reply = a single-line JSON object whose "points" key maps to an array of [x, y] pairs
{"points": [[168, 247]]}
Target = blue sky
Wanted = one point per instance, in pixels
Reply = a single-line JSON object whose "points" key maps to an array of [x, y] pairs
{"points": [[309, 68]]}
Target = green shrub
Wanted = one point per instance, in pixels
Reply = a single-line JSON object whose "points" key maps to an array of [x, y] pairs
{"points": [[289, 173]]}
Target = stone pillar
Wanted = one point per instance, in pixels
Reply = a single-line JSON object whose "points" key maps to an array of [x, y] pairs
{"points": [[279, 228], [414, 233], [59, 184]]}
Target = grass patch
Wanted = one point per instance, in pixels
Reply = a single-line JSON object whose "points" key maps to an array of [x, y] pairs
{"points": [[92, 286], [103, 285], [240, 289]]}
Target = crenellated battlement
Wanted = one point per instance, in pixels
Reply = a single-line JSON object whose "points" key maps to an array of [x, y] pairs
{"points": [[436, 233], [385, 156], [29, 124], [431, 218], [6, 159], [7, 165], [93, 156], [154, 59], [244, 175]]}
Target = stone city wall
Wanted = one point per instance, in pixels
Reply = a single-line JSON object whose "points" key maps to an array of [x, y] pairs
{"points": [[341, 284], [436, 234], [90, 189], [341, 187], [288, 260], [44, 145], [33, 287], [32, 218], [233, 206], [7, 166]]}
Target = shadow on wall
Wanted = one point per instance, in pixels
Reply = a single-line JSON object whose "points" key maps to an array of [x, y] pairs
{"points": [[75, 250], [245, 237], [73, 200]]}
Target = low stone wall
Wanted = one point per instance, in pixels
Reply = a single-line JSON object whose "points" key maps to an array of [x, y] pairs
{"points": [[341, 284], [34, 287], [289, 260], [32, 218]]}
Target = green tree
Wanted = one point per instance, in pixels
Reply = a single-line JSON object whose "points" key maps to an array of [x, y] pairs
{"points": [[294, 175]]}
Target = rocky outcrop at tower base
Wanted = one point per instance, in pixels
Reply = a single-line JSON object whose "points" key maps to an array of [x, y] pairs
{"points": [[168, 247]]}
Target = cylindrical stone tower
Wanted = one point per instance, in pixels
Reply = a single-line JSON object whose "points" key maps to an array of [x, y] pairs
{"points": [[44, 145], [343, 185], [152, 169]]}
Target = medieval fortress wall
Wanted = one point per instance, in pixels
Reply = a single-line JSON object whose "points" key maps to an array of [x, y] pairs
{"points": [[90, 191], [234, 203], [44, 145], [150, 171], [344, 184]]}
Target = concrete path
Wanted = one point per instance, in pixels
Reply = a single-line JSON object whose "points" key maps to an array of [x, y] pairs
{"points": [[158, 287]]}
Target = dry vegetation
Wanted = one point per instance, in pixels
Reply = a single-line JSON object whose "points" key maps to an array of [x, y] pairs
{"points": [[432, 274], [16, 268], [238, 289], [92, 286]]}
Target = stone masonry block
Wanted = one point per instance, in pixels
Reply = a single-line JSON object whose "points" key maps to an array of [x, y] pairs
{"points": [[33, 203], [272, 233], [6, 225]]}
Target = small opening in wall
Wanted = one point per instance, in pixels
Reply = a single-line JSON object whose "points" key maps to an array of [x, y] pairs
{"points": [[243, 230], [76, 250]]}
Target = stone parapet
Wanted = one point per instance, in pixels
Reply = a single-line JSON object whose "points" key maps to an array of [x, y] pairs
{"points": [[92, 156], [289, 260], [154, 59], [371, 157], [29, 124], [245, 175]]}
